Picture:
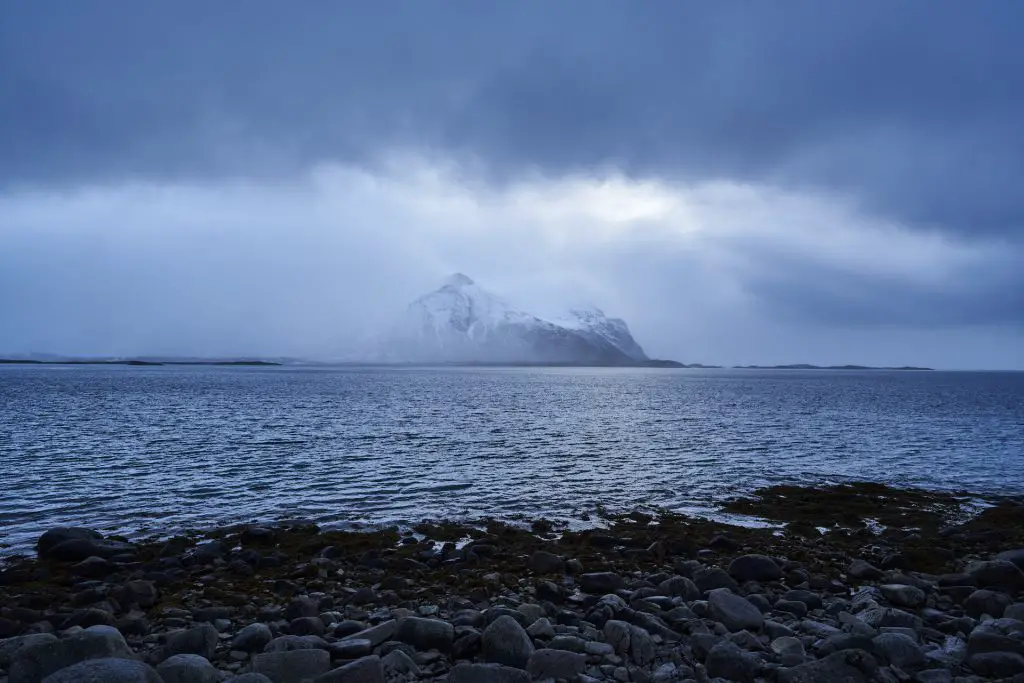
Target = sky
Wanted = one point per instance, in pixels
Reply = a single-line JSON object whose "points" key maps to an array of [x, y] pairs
{"points": [[744, 183]]}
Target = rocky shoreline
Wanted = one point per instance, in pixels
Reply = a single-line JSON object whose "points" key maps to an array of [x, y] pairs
{"points": [[856, 583]]}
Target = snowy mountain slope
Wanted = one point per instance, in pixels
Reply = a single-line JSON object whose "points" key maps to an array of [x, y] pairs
{"points": [[463, 322]]}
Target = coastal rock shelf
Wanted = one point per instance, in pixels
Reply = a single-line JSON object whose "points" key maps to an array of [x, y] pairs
{"points": [[922, 596]]}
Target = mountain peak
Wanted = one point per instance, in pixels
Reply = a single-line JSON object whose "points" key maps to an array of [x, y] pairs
{"points": [[458, 280]]}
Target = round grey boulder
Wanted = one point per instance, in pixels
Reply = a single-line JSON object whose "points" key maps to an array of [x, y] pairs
{"points": [[198, 640], [252, 638], [759, 568], [106, 670], [733, 611], [188, 669], [505, 642], [984, 601]]}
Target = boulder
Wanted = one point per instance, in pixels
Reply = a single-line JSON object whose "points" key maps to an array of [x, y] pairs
{"points": [[1000, 575], [599, 583], [487, 673], [252, 638], [710, 578], [863, 570], [734, 612], [426, 634], [997, 664], [365, 670], [198, 640], [188, 669], [543, 562], [758, 568], [105, 670], [378, 634], [847, 666], [899, 650], [549, 663], [34, 662], [505, 642], [727, 660], [293, 666], [9, 647], [903, 596], [984, 601], [1015, 556]]}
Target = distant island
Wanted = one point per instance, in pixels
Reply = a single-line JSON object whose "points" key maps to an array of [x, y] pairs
{"points": [[128, 361], [807, 366]]}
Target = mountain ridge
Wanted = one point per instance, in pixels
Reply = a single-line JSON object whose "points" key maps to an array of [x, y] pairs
{"points": [[463, 323]]}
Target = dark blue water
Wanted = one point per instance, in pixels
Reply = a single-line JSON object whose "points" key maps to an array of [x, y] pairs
{"points": [[135, 449]]}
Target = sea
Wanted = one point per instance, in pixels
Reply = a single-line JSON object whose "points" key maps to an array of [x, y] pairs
{"points": [[157, 450]]}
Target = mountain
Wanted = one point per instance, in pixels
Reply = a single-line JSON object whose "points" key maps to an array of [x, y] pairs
{"points": [[461, 322]]}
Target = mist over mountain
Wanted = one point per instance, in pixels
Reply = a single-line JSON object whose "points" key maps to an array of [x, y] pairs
{"points": [[462, 322]]}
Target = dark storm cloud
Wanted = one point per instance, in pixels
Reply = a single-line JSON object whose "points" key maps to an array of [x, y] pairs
{"points": [[913, 107]]}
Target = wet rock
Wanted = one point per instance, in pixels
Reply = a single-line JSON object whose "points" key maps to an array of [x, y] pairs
{"points": [[548, 663], [984, 601], [541, 628], [34, 662], [198, 640], [487, 673], [863, 570], [997, 664], [252, 638], [302, 606], [9, 647], [903, 596], [307, 626], [505, 642], [365, 670], [376, 634], [899, 650], [727, 660], [293, 666], [617, 634], [1015, 556], [598, 583], [1000, 575], [848, 666], [680, 586], [54, 537], [760, 568], [105, 670], [735, 613], [543, 562], [398, 663], [997, 635], [789, 649], [710, 578], [427, 634], [188, 669], [350, 649]]}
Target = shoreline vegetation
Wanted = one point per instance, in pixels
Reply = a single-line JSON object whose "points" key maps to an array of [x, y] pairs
{"points": [[857, 582], [653, 363]]}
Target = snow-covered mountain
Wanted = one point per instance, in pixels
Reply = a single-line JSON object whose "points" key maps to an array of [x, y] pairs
{"points": [[462, 322]]}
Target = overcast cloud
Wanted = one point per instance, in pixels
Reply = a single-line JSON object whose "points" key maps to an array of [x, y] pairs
{"points": [[744, 183]]}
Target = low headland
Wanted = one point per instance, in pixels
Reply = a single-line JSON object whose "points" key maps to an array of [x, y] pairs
{"points": [[852, 582]]}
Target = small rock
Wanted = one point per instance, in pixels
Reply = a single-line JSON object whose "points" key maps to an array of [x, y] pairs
{"points": [[426, 634], [307, 626], [187, 669], [541, 628], [1000, 575], [398, 663], [378, 634], [710, 578], [350, 649]]}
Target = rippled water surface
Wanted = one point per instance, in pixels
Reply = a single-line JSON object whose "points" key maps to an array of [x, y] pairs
{"points": [[135, 449]]}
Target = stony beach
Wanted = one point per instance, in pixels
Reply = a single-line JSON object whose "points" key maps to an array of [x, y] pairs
{"points": [[852, 583]]}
